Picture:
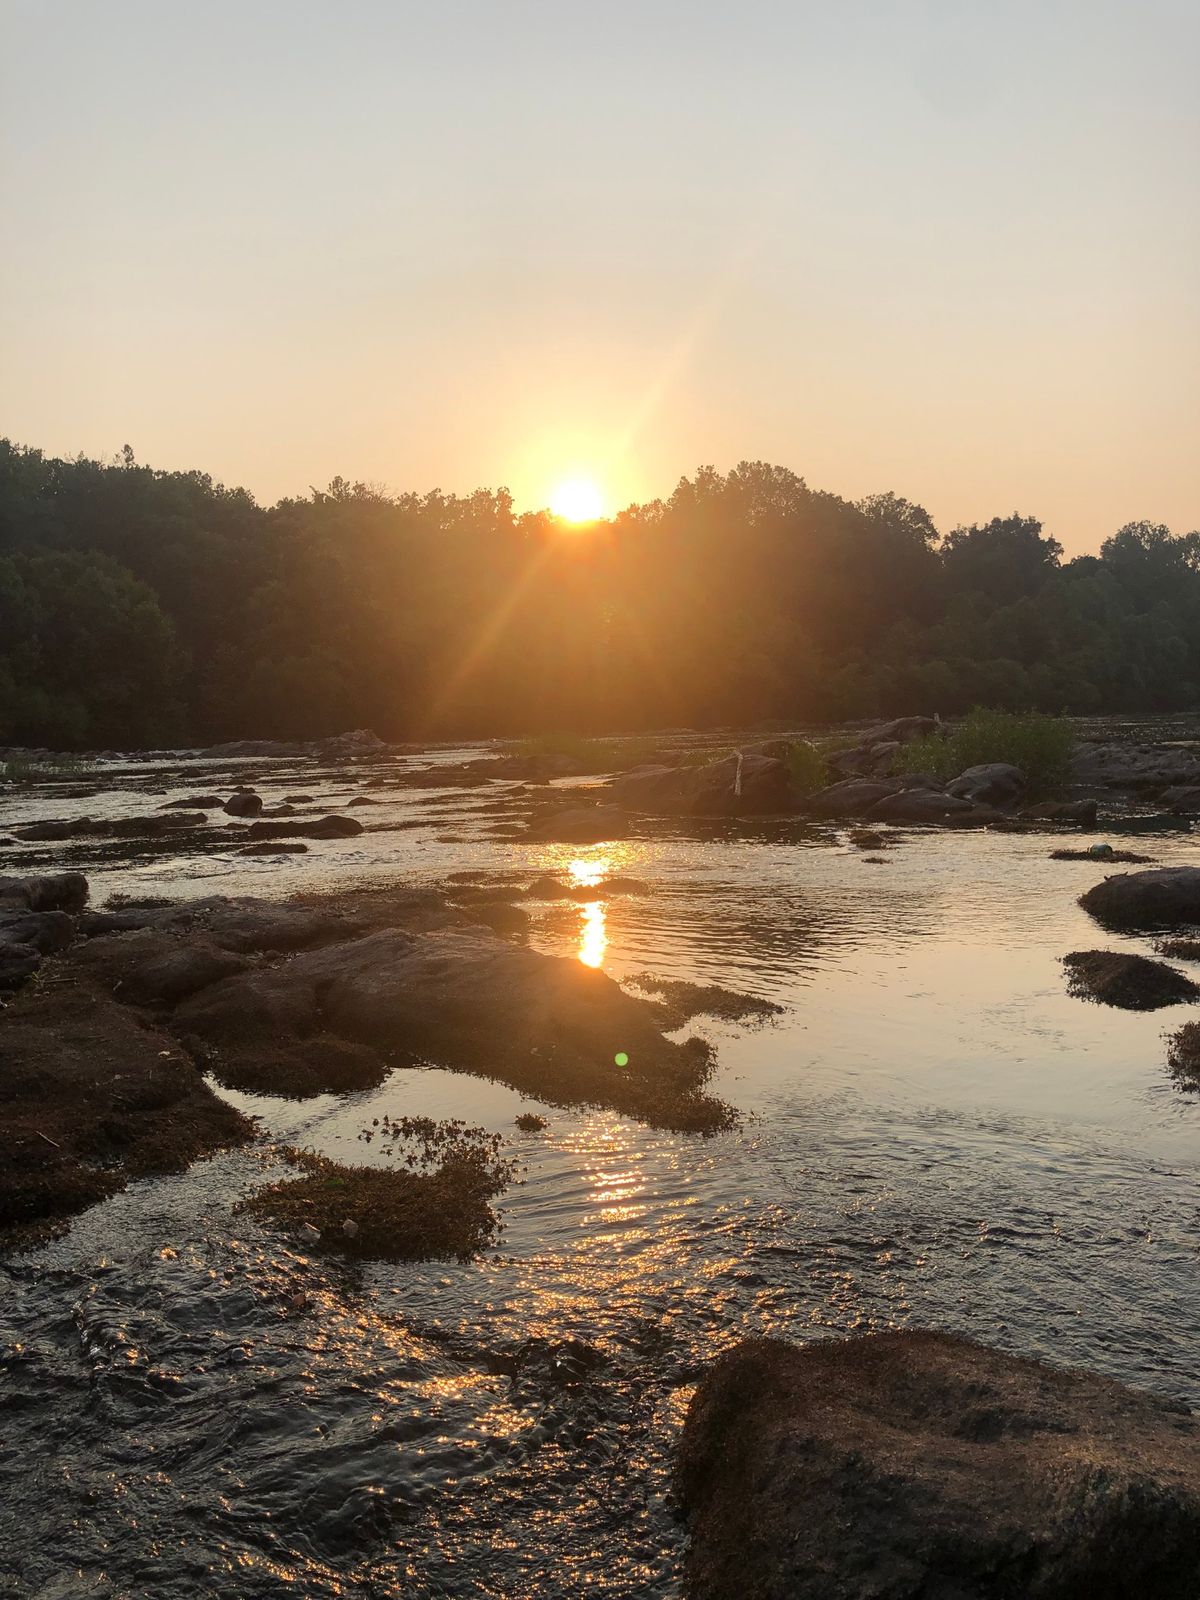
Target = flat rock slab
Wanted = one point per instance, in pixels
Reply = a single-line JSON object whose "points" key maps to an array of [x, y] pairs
{"points": [[917, 1466], [1162, 897]]}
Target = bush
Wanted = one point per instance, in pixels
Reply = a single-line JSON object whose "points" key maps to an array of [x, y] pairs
{"points": [[1040, 746], [807, 766]]}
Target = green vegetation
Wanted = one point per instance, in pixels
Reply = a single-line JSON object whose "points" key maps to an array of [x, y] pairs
{"points": [[140, 607], [1040, 746], [808, 767]]}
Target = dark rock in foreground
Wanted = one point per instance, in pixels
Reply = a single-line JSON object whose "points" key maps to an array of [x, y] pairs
{"points": [[916, 1466], [1133, 982], [1164, 897]]}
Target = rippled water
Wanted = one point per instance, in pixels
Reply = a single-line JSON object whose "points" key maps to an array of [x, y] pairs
{"points": [[933, 1134]]}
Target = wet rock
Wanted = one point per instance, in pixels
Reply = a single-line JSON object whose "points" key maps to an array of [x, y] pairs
{"points": [[244, 805], [1133, 982], [1162, 897], [530, 1122], [281, 810], [363, 800], [917, 1466], [1179, 949], [993, 783], [279, 848], [582, 825], [195, 802], [462, 997]]}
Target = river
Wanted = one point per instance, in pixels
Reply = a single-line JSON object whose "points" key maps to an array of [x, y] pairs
{"points": [[933, 1133]]}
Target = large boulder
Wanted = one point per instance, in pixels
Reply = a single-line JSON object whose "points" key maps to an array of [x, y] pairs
{"points": [[994, 783], [852, 797], [330, 827], [738, 785], [929, 806], [358, 743], [1160, 897], [917, 1466], [245, 804]]}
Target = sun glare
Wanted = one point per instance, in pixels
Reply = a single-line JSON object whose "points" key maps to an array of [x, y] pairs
{"points": [[577, 500]]}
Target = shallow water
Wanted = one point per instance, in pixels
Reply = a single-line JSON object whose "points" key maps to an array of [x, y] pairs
{"points": [[933, 1134]]}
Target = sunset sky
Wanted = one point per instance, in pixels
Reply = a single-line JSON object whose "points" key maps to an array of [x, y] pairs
{"points": [[936, 246]]}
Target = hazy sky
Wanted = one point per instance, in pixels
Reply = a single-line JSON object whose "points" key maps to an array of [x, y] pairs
{"points": [[938, 246]]}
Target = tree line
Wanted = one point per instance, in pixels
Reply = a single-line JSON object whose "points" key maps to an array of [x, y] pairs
{"points": [[140, 607]]}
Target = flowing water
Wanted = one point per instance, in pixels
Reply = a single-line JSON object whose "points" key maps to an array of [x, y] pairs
{"points": [[933, 1134]]}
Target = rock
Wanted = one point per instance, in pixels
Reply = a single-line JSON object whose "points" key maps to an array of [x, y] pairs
{"points": [[278, 848], [93, 1095], [1183, 798], [281, 810], [195, 802], [530, 1122], [1135, 766], [244, 805], [1101, 853], [1133, 982], [363, 800], [56, 829], [1070, 813], [1161, 898], [60, 891], [461, 997], [18, 962], [917, 1466], [43, 931], [994, 783], [321, 828], [309, 1234], [237, 748], [297, 800], [155, 967], [361, 742], [929, 806], [850, 798], [350, 1228], [738, 785], [582, 825]]}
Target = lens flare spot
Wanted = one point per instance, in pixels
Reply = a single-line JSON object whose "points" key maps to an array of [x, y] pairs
{"points": [[621, 1058]]}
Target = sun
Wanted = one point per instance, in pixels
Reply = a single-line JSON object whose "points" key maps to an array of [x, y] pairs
{"points": [[577, 500]]}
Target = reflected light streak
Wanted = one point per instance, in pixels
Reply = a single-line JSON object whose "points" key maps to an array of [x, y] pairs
{"points": [[593, 936]]}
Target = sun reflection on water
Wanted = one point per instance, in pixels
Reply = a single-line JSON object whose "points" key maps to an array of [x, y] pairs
{"points": [[593, 934]]}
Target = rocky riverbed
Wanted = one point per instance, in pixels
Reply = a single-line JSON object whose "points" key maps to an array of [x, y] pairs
{"points": [[896, 1115]]}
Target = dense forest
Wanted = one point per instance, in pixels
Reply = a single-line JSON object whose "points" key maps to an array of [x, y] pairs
{"points": [[140, 607]]}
